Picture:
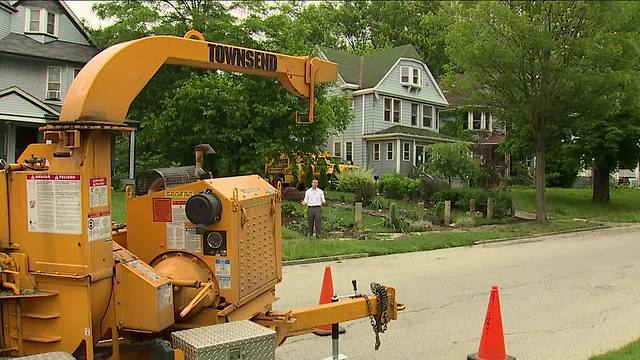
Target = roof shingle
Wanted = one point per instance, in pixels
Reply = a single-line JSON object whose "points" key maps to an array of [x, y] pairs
{"points": [[19, 44], [413, 131], [375, 65]]}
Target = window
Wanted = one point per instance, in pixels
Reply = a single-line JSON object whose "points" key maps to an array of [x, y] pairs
{"points": [[476, 118], [352, 103], [33, 20], [406, 151], [414, 114], [54, 74], [337, 151], [376, 151], [426, 115], [348, 151], [41, 21], [392, 110], [389, 151], [437, 119], [487, 121], [76, 71], [411, 76], [51, 23]]}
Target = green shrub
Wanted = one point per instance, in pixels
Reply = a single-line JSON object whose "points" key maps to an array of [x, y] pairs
{"points": [[294, 175], [308, 174], [431, 185], [359, 182], [379, 203], [323, 179], [289, 208], [396, 186], [419, 226]]}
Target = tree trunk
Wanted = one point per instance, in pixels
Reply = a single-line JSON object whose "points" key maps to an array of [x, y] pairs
{"points": [[541, 212], [600, 185]]}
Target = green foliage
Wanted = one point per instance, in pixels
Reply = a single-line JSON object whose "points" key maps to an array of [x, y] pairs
{"points": [[379, 203], [457, 128], [451, 160], [419, 226], [430, 185], [541, 71], [290, 209], [294, 175], [360, 182], [323, 179], [308, 174], [563, 165], [396, 186]]}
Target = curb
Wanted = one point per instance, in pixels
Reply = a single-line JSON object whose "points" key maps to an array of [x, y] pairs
{"points": [[599, 227], [324, 259]]}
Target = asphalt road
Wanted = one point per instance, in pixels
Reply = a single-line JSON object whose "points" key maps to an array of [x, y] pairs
{"points": [[563, 297]]}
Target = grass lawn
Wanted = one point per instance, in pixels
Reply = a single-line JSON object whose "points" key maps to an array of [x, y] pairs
{"points": [[117, 205], [576, 203], [629, 352], [295, 246]]}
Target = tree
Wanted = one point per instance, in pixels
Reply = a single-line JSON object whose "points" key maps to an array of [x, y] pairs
{"points": [[541, 66], [608, 144], [323, 179], [451, 160]]}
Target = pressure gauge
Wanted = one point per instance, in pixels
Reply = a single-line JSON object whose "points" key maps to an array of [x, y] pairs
{"points": [[214, 240]]}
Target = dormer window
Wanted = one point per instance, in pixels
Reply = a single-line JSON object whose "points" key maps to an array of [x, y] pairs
{"points": [[40, 21], [410, 76]]}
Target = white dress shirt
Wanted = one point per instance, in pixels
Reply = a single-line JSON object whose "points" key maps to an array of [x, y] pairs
{"points": [[314, 197]]}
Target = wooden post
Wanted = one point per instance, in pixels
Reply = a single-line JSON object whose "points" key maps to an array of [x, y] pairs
{"points": [[472, 208], [358, 215], [447, 213], [489, 208], [420, 211]]}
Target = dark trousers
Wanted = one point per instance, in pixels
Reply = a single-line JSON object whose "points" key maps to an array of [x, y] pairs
{"points": [[314, 217]]}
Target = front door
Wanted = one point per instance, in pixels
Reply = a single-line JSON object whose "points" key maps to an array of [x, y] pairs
{"points": [[420, 150]]}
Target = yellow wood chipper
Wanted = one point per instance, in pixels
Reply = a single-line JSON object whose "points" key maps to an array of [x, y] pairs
{"points": [[195, 253]]}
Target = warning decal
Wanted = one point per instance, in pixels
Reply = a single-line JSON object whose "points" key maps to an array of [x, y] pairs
{"points": [[225, 282], [175, 236], [223, 267], [193, 240], [178, 213], [162, 210], [98, 195], [54, 204], [99, 226]]}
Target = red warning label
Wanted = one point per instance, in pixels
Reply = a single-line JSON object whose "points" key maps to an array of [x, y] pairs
{"points": [[162, 210]]}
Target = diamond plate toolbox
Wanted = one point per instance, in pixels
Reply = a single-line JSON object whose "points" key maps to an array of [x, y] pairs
{"points": [[238, 340]]}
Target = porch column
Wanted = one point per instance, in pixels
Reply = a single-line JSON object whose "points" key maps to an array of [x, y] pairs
{"points": [[398, 155], [11, 143]]}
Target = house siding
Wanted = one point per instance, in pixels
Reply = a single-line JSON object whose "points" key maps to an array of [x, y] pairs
{"points": [[28, 75], [66, 30], [14, 104], [428, 93], [352, 133], [383, 165], [5, 23], [31, 76]]}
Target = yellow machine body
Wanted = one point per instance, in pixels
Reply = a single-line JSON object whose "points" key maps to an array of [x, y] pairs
{"points": [[72, 283]]}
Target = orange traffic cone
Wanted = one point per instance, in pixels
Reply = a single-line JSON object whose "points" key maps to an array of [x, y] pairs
{"points": [[326, 293], [492, 340]]}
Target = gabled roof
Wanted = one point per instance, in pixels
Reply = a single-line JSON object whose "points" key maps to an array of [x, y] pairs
{"points": [[18, 44], [7, 5], [39, 112], [402, 130], [74, 19], [367, 71]]}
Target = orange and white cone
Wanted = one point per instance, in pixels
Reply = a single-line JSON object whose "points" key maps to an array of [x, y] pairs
{"points": [[492, 340], [326, 293]]}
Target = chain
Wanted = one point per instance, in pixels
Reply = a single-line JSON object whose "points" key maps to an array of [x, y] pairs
{"points": [[373, 321]]}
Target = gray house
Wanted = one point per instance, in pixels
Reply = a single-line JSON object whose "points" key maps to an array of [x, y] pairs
{"points": [[43, 46], [396, 104]]}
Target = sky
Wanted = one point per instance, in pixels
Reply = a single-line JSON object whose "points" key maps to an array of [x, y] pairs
{"points": [[82, 9]]}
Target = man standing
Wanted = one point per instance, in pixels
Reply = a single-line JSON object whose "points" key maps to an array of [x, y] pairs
{"points": [[314, 199]]}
